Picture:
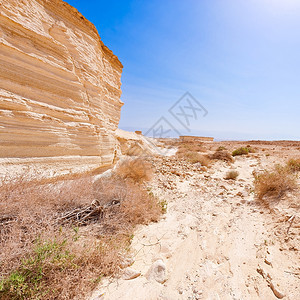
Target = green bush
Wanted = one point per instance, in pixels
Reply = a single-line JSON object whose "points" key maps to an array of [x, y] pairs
{"points": [[221, 148], [28, 281], [243, 151]]}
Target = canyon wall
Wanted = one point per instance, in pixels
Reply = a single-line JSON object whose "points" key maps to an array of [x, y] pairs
{"points": [[59, 88]]}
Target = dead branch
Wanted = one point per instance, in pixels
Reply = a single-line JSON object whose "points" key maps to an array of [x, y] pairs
{"points": [[291, 220], [82, 216]]}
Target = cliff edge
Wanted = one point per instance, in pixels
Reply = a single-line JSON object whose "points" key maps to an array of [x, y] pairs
{"points": [[60, 88]]}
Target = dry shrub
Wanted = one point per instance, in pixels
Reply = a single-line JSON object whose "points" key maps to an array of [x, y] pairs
{"points": [[232, 175], [139, 207], [274, 183], [42, 258], [195, 157], [294, 165], [181, 152], [204, 161], [134, 206], [137, 169], [222, 155], [36, 257], [189, 151]]}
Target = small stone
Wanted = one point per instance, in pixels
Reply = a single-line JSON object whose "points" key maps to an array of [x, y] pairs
{"points": [[130, 273], [157, 271], [127, 262], [268, 260], [276, 292]]}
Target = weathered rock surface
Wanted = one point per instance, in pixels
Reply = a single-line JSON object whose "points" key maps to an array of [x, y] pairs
{"points": [[130, 273], [157, 272], [59, 87], [135, 144]]}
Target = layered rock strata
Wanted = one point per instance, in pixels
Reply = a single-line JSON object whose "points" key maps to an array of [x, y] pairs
{"points": [[59, 88]]}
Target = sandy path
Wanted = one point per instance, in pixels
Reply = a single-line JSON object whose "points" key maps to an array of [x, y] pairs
{"points": [[212, 240]]}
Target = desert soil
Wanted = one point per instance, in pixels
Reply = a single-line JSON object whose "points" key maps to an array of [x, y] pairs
{"points": [[215, 240]]}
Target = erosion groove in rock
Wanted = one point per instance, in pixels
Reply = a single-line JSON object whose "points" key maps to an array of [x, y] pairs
{"points": [[59, 86]]}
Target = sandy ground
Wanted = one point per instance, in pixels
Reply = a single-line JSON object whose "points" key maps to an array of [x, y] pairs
{"points": [[215, 241]]}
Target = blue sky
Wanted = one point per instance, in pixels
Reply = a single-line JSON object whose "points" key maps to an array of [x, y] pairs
{"points": [[239, 59]]}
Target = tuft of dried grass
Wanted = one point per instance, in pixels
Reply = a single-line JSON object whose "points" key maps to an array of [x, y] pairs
{"points": [[137, 169], [195, 157], [232, 175], [274, 183], [222, 155], [140, 207], [294, 165]]}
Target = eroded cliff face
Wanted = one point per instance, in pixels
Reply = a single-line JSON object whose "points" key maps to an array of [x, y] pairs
{"points": [[59, 87]]}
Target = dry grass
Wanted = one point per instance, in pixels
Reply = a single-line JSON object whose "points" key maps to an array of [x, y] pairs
{"points": [[195, 157], [140, 207], [222, 155], [294, 165], [42, 258], [189, 151], [136, 169], [274, 183], [191, 147], [232, 175]]}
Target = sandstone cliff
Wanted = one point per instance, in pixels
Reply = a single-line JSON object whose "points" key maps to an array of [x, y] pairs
{"points": [[59, 87]]}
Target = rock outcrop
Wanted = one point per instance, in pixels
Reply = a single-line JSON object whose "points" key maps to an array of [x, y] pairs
{"points": [[187, 138], [135, 144], [59, 88]]}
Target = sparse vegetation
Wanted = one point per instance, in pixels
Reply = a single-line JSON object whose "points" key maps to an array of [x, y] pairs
{"points": [[274, 183], [240, 151], [189, 151], [137, 169], [45, 257], [184, 147], [222, 155], [221, 148], [243, 151], [164, 206], [294, 165], [195, 157], [232, 175]]}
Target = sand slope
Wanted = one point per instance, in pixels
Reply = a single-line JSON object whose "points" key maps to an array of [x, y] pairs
{"points": [[215, 241]]}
